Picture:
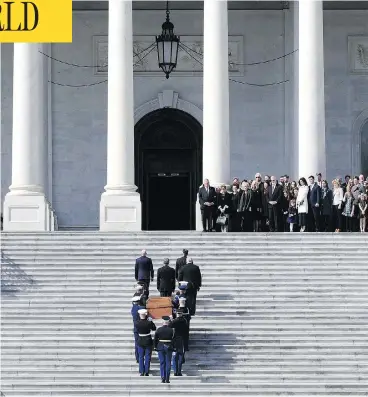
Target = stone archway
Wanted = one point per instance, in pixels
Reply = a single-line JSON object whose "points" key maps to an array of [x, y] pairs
{"points": [[168, 99], [168, 168]]}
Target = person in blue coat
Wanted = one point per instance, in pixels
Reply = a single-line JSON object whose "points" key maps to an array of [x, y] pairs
{"points": [[164, 344], [144, 272], [137, 305]]}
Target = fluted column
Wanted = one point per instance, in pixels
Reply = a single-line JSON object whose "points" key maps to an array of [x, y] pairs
{"points": [[216, 140], [312, 152], [25, 206], [120, 207]]}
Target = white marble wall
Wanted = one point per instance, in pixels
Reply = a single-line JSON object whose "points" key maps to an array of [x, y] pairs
{"points": [[261, 127]]}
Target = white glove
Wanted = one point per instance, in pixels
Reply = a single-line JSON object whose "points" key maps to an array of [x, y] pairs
{"points": [[149, 318]]}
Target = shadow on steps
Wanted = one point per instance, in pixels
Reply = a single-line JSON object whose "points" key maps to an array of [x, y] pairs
{"points": [[201, 363], [13, 278]]}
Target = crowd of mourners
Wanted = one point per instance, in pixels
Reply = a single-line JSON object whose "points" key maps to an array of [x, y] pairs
{"points": [[171, 340], [271, 205]]}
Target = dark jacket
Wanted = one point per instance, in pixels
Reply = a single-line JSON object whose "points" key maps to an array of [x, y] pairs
{"points": [[144, 327], [191, 273], [166, 279], [314, 195], [222, 200], [245, 200], [277, 194], [204, 197], [234, 200], [256, 200], [326, 202], [180, 262], [180, 325], [143, 268], [164, 333]]}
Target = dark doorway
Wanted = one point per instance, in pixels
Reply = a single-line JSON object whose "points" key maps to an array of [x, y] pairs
{"points": [[168, 168], [173, 214]]}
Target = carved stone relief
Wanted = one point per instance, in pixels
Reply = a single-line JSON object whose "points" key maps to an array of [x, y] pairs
{"points": [[358, 54], [190, 56]]}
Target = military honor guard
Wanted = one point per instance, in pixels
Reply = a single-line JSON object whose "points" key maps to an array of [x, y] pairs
{"points": [[144, 327], [164, 344], [139, 291], [180, 293], [181, 328], [186, 315], [137, 305]]}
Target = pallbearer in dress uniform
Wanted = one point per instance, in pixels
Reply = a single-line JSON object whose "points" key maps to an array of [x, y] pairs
{"points": [[139, 291], [180, 326], [144, 327], [186, 314], [164, 344], [137, 305], [181, 293]]}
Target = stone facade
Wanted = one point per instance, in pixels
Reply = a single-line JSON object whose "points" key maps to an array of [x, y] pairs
{"points": [[261, 118]]}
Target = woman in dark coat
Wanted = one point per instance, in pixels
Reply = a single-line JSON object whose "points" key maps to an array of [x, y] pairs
{"points": [[223, 205], [257, 207], [234, 219], [264, 199], [326, 204]]}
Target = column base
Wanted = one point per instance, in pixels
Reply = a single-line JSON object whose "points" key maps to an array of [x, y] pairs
{"points": [[120, 212], [27, 213], [199, 226]]}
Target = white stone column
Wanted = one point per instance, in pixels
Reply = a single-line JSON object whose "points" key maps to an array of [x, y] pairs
{"points": [[216, 130], [25, 206], [312, 153], [120, 206]]}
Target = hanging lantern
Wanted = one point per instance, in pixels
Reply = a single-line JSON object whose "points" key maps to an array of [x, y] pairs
{"points": [[167, 46]]}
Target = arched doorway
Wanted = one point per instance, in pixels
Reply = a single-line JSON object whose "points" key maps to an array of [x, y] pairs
{"points": [[364, 149], [168, 168]]}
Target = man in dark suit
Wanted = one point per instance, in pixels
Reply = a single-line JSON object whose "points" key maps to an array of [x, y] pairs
{"points": [[144, 270], [191, 273], [207, 199], [275, 194], [180, 262], [166, 279], [314, 200]]}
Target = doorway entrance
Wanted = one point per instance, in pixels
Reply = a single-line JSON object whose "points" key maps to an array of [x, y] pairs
{"points": [[174, 213], [168, 168]]}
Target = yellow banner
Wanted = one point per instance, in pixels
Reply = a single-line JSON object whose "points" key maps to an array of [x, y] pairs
{"points": [[36, 21]]}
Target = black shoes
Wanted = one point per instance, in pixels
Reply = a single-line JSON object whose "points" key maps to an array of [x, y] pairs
{"points": [[141, 375], [147, 374], [163, 380]]}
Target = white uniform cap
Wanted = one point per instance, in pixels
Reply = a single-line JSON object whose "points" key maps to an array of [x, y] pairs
{"points": [[142, 311], [184, 283], [136, 298], [139, 287]]}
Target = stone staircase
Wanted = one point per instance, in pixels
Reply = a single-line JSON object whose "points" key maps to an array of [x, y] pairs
{"points": [[278, 314]]}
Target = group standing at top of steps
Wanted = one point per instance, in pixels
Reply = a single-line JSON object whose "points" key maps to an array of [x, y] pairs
{"points": [[268, 204], [171, 340]]}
